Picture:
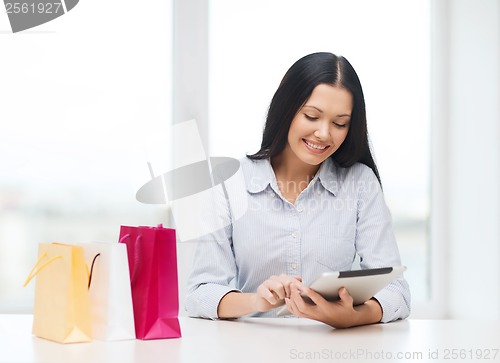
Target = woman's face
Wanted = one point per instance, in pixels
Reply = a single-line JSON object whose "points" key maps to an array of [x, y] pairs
{"points": [[321, 125]]}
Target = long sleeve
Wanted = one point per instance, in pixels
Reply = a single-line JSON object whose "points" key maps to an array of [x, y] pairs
{"points": [[376, 246], [213, 276]]}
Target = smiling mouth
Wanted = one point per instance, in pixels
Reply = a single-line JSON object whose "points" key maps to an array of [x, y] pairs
{"points": [[315, 147]]}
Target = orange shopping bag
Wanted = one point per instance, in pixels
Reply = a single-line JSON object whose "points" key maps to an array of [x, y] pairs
{"points": [[62, 307]]}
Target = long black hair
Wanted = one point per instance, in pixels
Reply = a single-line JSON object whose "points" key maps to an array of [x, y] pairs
{"points": [[296, 88]]}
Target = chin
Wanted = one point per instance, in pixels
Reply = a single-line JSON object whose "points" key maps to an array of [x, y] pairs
{"points": [[313, 160]]}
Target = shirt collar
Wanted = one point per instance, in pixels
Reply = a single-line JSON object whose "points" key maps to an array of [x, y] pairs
{"points": [[261, 174]]}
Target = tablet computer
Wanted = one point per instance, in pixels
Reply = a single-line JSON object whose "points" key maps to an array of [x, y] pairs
{"points": [[362, 285]]}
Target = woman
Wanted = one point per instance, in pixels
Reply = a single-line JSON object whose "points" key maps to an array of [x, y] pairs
{"points": [[314, 203]]}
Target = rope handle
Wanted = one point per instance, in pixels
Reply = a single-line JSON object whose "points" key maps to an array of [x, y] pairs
{"points": [[137, 257], [89, 273], [36, 269]]}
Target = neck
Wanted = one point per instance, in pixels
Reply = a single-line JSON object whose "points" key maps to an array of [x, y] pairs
{"points": [[289, 167], [292, 175]]}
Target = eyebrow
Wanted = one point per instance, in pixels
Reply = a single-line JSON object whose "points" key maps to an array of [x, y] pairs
{"points": [[321, 111]]}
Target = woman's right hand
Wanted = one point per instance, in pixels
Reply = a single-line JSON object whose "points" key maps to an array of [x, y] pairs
{"points": [[272, 292]]}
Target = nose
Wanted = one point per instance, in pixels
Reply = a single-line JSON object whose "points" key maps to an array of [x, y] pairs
{"points": [[322, 130]]}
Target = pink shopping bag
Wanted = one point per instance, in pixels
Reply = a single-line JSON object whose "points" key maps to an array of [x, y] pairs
{"points": [[153, 277]]}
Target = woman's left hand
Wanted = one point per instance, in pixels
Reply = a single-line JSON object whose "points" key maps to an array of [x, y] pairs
{"points": [[338, 314]]}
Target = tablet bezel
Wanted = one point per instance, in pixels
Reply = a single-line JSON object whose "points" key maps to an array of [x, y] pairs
{"points": [[362, 285]]}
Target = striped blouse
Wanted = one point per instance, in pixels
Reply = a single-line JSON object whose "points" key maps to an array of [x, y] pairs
{"points": [[340, 214]]}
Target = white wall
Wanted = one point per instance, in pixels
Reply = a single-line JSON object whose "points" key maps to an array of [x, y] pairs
{"points": [[467, 112]]}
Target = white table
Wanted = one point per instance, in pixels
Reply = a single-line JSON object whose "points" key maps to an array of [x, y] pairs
{"points": [[268, 340]]}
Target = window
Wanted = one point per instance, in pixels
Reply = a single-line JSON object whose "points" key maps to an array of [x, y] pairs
{"points": [[85, 105]]}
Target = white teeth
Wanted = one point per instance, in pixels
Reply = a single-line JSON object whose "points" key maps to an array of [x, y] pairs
{"points": [[314, 146]]}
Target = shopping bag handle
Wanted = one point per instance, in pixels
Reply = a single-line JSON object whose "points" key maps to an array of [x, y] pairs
{"points": [[89, 273], [137, 257], [37, 268]]}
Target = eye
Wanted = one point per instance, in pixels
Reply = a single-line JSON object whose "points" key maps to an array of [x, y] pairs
{"points": [[310, 118], [340, 126]]}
